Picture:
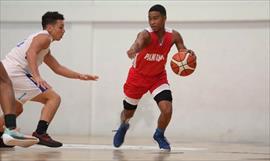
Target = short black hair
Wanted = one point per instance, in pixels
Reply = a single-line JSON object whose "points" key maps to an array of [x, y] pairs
{"points": [[51, 18], [159, 8]]}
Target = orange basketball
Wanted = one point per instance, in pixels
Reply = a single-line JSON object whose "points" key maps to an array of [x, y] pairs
{"points": [[183, 63]]}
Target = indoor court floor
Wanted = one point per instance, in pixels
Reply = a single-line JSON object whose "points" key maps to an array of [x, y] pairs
{"points": [[101, 149]]}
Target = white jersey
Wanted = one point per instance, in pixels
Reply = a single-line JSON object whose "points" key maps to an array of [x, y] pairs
{"points": [[17, 56], [16, 65]]}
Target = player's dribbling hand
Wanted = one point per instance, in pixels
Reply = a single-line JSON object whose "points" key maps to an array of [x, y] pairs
{"points": [[191, 52], [88, 77], [131, 53]]}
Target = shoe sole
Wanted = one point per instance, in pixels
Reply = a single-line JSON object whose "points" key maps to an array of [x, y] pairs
{"points": [[50, 145], [161, 149], [27, 142]]}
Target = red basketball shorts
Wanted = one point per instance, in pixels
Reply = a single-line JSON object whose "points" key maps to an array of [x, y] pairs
{"points": [[137, 85]]}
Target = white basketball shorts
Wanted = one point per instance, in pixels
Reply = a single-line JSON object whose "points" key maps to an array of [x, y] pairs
{"points": [[25, 88]]}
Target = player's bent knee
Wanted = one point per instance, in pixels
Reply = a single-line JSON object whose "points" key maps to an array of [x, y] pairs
{"points": [[128, 106], [165, 95], [58, 98], [52, 95]]}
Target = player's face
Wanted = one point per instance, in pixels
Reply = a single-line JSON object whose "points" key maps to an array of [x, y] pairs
{"points": [[156, 20], [57, 30]]}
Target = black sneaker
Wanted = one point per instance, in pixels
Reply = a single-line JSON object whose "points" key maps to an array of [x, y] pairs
{"points": [[45, 139]]}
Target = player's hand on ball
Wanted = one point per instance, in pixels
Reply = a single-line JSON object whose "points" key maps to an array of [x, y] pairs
{"points": [[88, 77], [191, 52]]}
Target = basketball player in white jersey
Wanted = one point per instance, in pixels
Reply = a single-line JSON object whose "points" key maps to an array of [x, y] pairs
{"points": [[22, 65]]}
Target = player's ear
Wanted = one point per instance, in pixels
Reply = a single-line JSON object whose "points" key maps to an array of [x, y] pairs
{"points": [[164, 18], [49, 27]]}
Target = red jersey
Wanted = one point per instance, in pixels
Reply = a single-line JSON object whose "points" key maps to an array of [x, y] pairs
{"points": [[151, 60]]}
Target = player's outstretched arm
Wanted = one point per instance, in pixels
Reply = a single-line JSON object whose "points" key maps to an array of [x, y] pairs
{"points": [[141, 41], [64, 71]]}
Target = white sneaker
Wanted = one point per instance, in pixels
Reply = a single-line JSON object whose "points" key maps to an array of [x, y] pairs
{"points": [[15, 138]]}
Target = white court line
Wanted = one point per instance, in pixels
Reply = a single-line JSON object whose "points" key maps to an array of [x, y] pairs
{"points": [[125, 147]]}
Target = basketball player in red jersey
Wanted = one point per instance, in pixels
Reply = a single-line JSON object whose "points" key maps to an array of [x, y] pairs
{"points": [[150, 51]]}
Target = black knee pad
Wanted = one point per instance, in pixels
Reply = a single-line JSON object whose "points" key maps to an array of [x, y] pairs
{"points": [[165, 95], [129, 106]]}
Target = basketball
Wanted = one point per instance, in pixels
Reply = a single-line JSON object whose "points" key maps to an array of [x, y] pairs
{"points": [[183, 63]]}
